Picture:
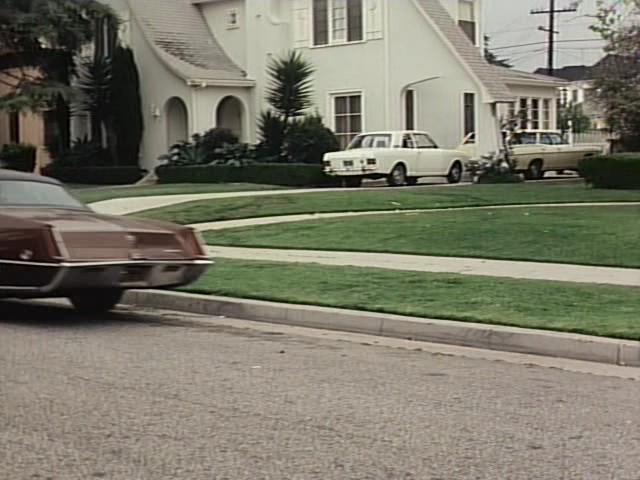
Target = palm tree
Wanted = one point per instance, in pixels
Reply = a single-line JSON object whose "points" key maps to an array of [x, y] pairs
{"points": [[291, 90]]}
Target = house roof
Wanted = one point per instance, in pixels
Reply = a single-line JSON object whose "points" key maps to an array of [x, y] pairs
{"points": [[468, 52], [571, 73], [511, 76], [180, 36]]}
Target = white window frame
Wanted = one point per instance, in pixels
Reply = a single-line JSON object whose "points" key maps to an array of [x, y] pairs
{"points": [[331, 42], [474, 10], [331, 101], [545, 119], [475, 113], [415, 109]]}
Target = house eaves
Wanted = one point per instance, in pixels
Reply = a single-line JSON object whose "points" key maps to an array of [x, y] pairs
{"points": [[182, 40], [467, 53], [517, 77]]}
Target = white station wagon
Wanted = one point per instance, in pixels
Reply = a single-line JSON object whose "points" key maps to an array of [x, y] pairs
{"points": [[401, 157]]}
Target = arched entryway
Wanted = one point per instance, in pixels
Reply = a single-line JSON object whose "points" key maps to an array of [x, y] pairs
{"points": [[177, 121], [229, 115]]}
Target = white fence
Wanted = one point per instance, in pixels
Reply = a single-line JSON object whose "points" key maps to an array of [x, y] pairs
{"points": [[596, 138]]}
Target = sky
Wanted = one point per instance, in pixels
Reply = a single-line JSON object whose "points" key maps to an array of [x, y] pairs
{"points": [[509, 23]]}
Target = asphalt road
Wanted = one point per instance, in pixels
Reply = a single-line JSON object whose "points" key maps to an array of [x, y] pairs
{"points": [[125, 397]]}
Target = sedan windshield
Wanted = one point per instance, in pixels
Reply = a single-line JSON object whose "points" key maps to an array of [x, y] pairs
{"points": [[26, 193]]}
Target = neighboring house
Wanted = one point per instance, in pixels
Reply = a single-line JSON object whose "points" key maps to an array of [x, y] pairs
{"points": [[22, 127], [579, 90], [536, 99], [380, 65]]}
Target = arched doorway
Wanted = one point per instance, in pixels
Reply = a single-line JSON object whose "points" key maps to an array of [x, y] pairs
{"points": [[177, 121], [229, 115]]}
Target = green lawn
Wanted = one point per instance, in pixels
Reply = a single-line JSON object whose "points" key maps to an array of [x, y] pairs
{"points": [[583, 235], [587, 309], [97, 194], [385, 199]]}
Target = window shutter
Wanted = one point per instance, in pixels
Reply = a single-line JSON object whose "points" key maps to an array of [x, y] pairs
{"points": [[301, 23], [374, 13]]}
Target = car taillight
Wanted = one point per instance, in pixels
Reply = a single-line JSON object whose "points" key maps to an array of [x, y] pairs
{"points": [[53, 247], [193, 243]]}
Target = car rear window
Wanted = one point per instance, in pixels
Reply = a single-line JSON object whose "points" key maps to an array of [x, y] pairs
{"points": [[25, 193], [371, 141]]}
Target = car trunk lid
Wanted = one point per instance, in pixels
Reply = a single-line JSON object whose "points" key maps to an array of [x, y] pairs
{"points": [[88, 236]]}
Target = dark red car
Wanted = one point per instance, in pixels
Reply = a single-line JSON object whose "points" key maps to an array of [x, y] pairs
{"points": [[51, 245]]}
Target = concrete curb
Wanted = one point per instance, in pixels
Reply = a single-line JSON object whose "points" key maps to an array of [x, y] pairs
{"points": [[491, 337]]}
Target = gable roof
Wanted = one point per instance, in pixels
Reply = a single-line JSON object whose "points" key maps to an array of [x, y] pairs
{"points": [[511, 76], [468, 52], [178, 33]]}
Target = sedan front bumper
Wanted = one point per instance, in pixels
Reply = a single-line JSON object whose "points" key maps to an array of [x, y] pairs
{"points": [[29, 280]]}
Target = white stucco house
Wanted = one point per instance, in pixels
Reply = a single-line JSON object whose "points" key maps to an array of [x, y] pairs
{"points": [[380, 65]]}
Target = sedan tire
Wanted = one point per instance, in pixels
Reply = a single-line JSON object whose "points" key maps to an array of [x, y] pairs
{"points": [[455, 173], [535, 171], [398, 176], [96, 301]]}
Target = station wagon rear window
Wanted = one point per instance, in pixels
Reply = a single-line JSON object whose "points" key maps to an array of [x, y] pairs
{"points": [[22, 193], [370, 141]]}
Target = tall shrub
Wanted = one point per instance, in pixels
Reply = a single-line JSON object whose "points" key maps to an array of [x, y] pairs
{"points": [[128, 123]]}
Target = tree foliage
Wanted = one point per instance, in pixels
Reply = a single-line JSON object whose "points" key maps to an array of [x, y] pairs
{"points": [[128, 123], [491, 57], [38, 42], [291, 85], [572, 118], [287, 131], [617, 81]]}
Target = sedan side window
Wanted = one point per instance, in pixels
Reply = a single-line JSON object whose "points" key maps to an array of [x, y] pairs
{"points": [[424, 141], [407, 141], [546, 139], [557, 139]]}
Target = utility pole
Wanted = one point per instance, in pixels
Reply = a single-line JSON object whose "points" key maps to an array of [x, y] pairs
{"points": [[552, 12]]}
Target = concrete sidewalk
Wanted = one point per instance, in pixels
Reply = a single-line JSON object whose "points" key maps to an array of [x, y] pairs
{"points": [[464, 266]]}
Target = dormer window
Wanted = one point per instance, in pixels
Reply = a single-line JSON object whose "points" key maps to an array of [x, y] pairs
{"points": [[467, 19]]}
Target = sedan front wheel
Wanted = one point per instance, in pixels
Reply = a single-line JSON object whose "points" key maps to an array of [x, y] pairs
{"points": [[96, 301]]}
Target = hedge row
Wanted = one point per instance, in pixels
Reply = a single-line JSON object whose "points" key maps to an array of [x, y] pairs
{"points": [[95, 175], [612, 171], [285, 174]]}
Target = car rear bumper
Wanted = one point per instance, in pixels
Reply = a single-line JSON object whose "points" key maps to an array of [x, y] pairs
{"points": [[353, 171], [27, 280]]}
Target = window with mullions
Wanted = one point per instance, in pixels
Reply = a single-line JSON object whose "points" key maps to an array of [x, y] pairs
{"points": [[337, 21], [347, 112]]}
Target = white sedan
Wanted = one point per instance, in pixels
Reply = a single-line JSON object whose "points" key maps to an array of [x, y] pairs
{"points": [[401, 157]]}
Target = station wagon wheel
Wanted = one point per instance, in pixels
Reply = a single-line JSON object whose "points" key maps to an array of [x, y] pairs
{"points": [[534, 172], [96, 301], [398, 176], [455, 174]]}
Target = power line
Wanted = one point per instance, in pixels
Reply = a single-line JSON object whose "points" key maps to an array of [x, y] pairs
{"points": [[566, 24], [542, 43], [552, 12]]}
